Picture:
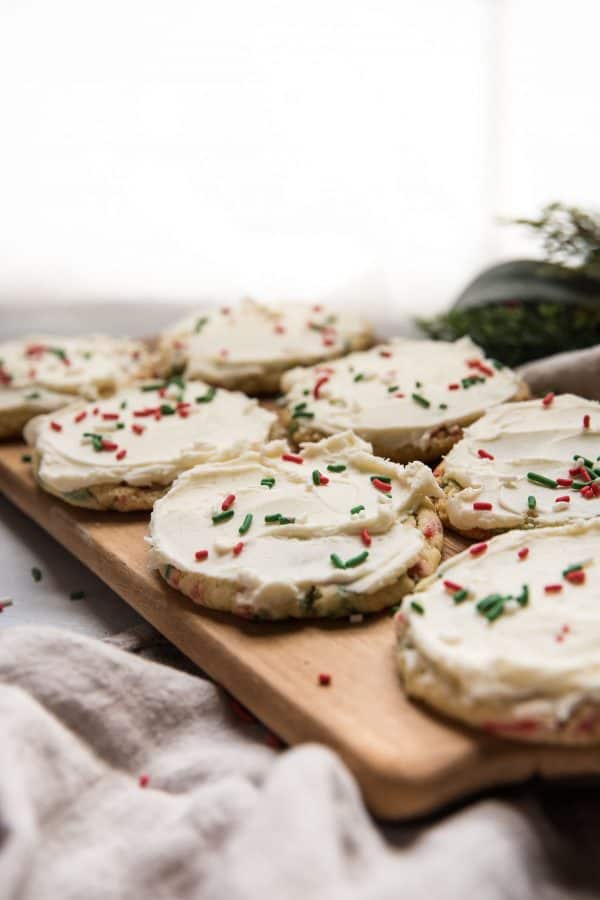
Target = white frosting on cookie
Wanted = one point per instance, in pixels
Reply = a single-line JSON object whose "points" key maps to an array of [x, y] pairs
{"points": [[400, 393], [85, 366], [252, 339], [149, 436], [281, 558], [527, 662], [538, 437]]}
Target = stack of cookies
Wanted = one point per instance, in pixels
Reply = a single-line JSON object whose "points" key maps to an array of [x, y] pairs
{"points": [[321, 502]]}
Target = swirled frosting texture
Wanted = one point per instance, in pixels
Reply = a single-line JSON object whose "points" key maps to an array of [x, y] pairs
{"points": [[519, 662], [398, 394], [492, 462], [141, 437], [300, 514]]}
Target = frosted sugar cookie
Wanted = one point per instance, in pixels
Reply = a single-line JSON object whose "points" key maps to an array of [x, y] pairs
{"points": [[505, 636], [40, 373], [328, 532], [249, 346], [123, 452], [524, 465], [409, 398]]}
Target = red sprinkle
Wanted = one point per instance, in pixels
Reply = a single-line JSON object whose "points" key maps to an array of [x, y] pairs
{"points": [[121, 454], [548, 399], [144, 780], [482, 504], [324, 678], [292, 457], [483, 454], [162, 392], [381, 485], [95, 411], [109, 445], [485, 370], [574, 470], [137, 429], [317, 307], [80, 416], [452, 586], [183, 412], [319, 384], [585, 475], [279, 329], [576, 577], [553, 588], [238, 548], [385, 353], [454, 386], [400, 395], [564, 482], [56, 426], [110, 415], [586, 421], [476, 549], [588, 492], [323, 479], [328, 341], [523, 553], [366, 537], [201, 555], [564, 498], [228, 501]]}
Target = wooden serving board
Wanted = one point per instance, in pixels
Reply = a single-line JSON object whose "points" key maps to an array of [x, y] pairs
{"points": [[407, 761]]}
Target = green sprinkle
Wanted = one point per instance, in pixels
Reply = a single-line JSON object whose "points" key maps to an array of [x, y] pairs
{"points": [[222, 516], [541, 479], [283, 520], [336, 468], [245, 526], [574, 568], [359, 377], [316, 477], [302, 414], [337, 562], [523, 598], [33, 396], [421, 400], [77, 595], [305, 392], [488, 602], [496, 611], [87, 355], [123, 405], [587, 462], [168, 570], [268, 482], [167, 410], [300, 406], [531, 502], [461, 595], [96, 440], [357, 560], [273, 517], [59, 352], [577, 485], [385, 478], [443, 406], [394, 609], [208, 396], [200, 323], [418, 384], [176, 379], [25, 457], [356, 509], [417, 607], [36, 574], [392, 388], [497, 364], [120, 425], [155, 386]]}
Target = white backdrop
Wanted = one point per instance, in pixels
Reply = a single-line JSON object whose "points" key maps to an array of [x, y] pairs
{"points": [[353, 149]]}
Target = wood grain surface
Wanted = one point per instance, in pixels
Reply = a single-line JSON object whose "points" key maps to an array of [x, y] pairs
{"points": [[407, 761]]}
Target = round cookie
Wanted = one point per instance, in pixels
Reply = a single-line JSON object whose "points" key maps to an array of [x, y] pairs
{"points": [[249, 346], [409, 398], [505, 636], [41, 373], [326, 533], [122, 453], [524, 465]]}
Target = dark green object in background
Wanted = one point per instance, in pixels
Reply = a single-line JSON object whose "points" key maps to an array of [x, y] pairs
{"points": [[525, 309]]}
